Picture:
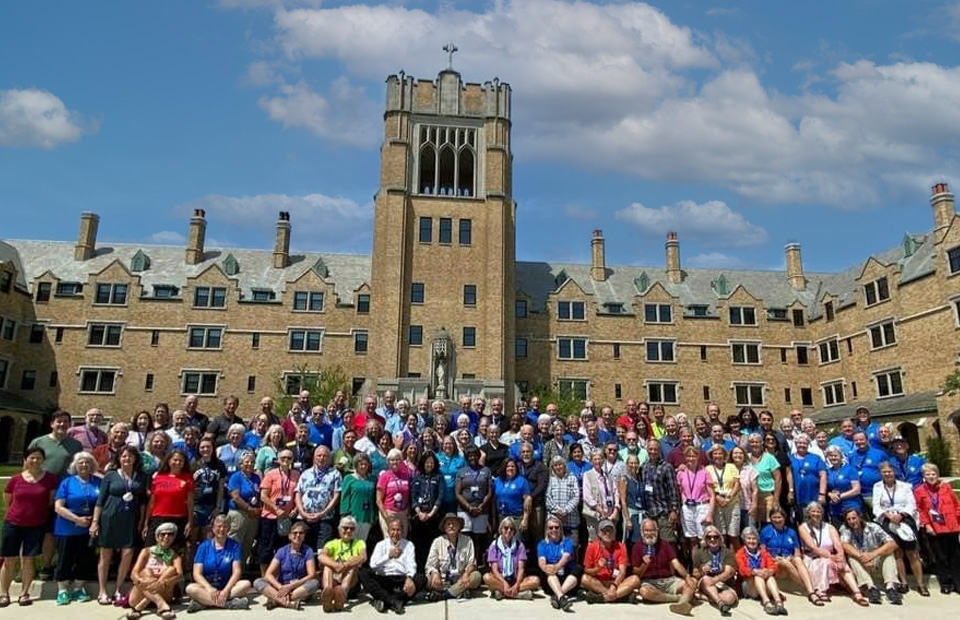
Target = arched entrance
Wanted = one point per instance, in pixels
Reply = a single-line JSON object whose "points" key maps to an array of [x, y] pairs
{"points": [[910, 432], [34, 429], [7, 424]]}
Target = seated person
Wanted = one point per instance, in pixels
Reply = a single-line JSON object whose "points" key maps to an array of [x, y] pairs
{"points": [[341, 559], [759, 573], [391, 580], [556, 557], [869, 550], [507, 558], [291, 576], [605, 576], [713, 565], [217, 572], [783, 545], [157, 570], [451, 563], [663, 579]]}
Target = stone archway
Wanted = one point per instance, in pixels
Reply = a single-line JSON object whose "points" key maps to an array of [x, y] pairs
{"points": [[34, 429], [7, 425], [910, 432]]}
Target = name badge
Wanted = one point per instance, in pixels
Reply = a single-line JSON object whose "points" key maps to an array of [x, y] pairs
{"points": [[648, 488]]}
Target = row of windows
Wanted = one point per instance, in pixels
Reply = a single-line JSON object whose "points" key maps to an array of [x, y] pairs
{"points": [[445, 231], [661, 313], [418, 294]]}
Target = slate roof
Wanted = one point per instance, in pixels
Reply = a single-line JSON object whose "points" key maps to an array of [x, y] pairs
{"points": [[9, 254], [908, 404]]}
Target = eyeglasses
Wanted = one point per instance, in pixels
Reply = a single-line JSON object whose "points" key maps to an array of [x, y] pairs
{"points": [[711, 537], [509, 527], [164, 534], [348, 528], [298, 533], [553, 527]]}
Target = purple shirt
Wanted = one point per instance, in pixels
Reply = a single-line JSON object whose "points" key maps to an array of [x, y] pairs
{"points": [[494, 556]]}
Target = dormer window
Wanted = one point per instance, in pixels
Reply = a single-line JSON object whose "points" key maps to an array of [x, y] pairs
{"points": [[165, 291], [876, 291], [613, 308]]}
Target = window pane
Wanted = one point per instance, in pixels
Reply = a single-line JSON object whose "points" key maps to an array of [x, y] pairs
{"points": [[363, 304], [88, 382], [296, 341], [113, 335], [521, 348], [213, 338], [579, 349], [889, 335], [313, 341], [564, 346], [521, 309], [735, 316], [426, 229], [103, 294], [869, 292], [669, 393], [665, 314], [753, 354], [106, 380], [300, 301], [466, 232], [653, 352], [208, 384], [201, 296], [666, 351], [578, 310], [896, 384], [119, 294], [563, 309], [883, 387], [219, 299], [650, 313], [446, 230], [196, 337]]}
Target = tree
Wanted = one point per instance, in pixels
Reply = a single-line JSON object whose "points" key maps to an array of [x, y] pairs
{"points": [[567, 402], [321, 383], [952, 383]]}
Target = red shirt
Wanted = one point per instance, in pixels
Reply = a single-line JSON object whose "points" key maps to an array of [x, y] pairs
{"points": [[743, 562], [360, 422], [944, 501], [170, 494], [30, 504], [616, 559], [660, 563]]}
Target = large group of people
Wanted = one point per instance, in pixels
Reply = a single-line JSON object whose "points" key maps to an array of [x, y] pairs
{"points": [[409, 501]]}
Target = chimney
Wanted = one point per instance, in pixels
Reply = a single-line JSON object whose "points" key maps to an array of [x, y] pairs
{"points": [[598, 265], [87, 239], [198, 231], [943, 208], [794, 267], [281, 247], [674, 274]]}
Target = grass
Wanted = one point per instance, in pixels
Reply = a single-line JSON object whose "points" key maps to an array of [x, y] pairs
{"points": [[10, 470]]}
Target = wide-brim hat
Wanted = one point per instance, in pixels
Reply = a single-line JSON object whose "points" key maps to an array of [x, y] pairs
{"points": [[447, 517]]}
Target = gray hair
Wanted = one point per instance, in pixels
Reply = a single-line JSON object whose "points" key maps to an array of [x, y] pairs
{"points": [[749, 531], [221, 518], [347, 520], [394, 453], [507, 521], [809, 507], [802, 436], [757, 435], [237, 428], [78, 458], [930, 467], [833, 450], [163, 528]]}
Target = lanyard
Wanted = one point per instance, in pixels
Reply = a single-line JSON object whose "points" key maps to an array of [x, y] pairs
{"points": [[691, 485], [715, 561], [719, 474], [934, 499], [818, 537], [754, 559], [284, 484], [891, 494]]}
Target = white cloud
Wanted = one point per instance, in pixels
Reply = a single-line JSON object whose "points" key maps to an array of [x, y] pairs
{"points": [[712, 223], [319, 223], [716, 260], [37, 118]]}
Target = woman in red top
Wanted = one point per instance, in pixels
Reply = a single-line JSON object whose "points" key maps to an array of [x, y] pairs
{"points": [[938, 508], [759, 573], [171, 499], [28, 497]]}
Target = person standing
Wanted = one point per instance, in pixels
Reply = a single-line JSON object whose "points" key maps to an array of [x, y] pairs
{"points": [[73, 504], [218, 427], [89, 434]]}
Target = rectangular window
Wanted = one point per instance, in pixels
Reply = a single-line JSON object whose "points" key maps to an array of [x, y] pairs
{"points": [[104, 335], [466, 232], [572, 348], [882, 335], [953, 260], [853, 388], [43, 291], [748, 394], [426, 229], [829, 351], [661, 393], [743, 315], [783, 355], [58, 335], [657, 313], [209, 297], [617, 391], [28, 380], [803, 355], [445, 235], [703, 353], [575, 388], [616, 350], [263, 295], [798, 318], [850, 346], [833, 394], [155, 338], [8, 329], [778, 314], [54, 379], [363, 303], [308, 301], [115, 294], [69, 289], [786, 395], [956, 310], [469, 294], [360, 342], [4, 369], [255, 340], [416, 335], [205, 338], [356, 385], [36, 334], [828, 310], [165, 291], [6, 281], [200, 383], [416, 293], [252, 383], [700, 310], [660, 351], [97, 381], [521, 309], [889, 383], [148, 382], [571, 310], [521, 347], [706, 392], [469, 337], [806, 397], [305, 339], [876, 291], [745, 353]]}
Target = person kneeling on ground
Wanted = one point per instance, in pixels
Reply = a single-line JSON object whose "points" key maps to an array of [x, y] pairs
{"points": [[605, 578], [663, 579], [713, 565], [758, 570], [341, 559], [507, 558], [869, 550], [217, 568], [557, 560], [391, 579], [157, 570], [451, 563], [291, 576]]}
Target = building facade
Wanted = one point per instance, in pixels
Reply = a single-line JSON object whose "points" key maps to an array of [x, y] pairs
{"points": [[442, 308]]}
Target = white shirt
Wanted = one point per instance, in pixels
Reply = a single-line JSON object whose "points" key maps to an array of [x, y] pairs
{"points": [[382, 564], [902, 499]]}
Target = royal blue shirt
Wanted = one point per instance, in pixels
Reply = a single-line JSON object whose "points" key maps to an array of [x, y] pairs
{"points": [[841, 479], [509, 495], [909, 469], [78, 497], [728, 445], [846, 445], [252, 441], [551, 552], [867, 462], [249, 488], [218, 563], [578, 469], [537, 450], [779, 543], [870, 429], [806, 477], [321, 434]]}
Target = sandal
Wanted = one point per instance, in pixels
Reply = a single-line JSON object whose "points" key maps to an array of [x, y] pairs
{"points": [[24, 600], [815, 599], [923, 591], [861, 600], [133, 614], [168, 614], [104, 599]]}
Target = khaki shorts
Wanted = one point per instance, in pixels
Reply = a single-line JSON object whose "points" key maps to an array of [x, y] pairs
{"points": [[668, 531], [667, 585]]}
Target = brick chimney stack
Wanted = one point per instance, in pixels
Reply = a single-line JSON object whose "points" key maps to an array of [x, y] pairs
{"points": [[943, 207], [87, 239], [281, 248], [598, 265], [198, 232], [794, 267], [674, 274]]}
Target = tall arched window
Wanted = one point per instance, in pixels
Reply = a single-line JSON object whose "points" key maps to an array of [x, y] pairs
{"points": [[447, 171], [428, 170], [465, 172], [448, 162]]}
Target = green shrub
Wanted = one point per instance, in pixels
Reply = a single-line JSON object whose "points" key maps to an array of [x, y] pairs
{"points": [[938, 453]]}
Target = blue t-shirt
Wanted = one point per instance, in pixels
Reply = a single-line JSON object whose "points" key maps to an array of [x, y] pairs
{"points": [[249, 488], [578, 469], [218, 563], [846, 445], [252, 441], [870, 430], [779, 543], [551, 553], [806, 477], [79, 497], [509, 495], [537, 450], [909, 470], [230, 456], [868, 464], [841, 479], [293, 566], [728, 445], [321, 435], [449, 466]]}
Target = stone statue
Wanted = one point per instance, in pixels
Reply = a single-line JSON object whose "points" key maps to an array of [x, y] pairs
{"points": [[441, 353]]}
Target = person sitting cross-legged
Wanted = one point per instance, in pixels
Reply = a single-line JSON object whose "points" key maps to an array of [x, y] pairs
{"points": [[556, 557], [713, 565], [216, 572], [605, 577], [291, 576], [507, 558], [758, 571], [869, 550], [451, 564], [391, 579], [341, 559], [663, 579]]}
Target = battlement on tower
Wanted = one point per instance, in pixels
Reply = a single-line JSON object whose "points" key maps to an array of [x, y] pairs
{"points": [[448, 96]]}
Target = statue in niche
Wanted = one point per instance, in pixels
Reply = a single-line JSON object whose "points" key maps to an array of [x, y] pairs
{"points": [[441, 352]]}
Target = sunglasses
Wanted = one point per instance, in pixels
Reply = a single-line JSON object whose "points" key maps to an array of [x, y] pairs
{"points": [[348, 528], [711, 537], [164, 534], [298, 533]]}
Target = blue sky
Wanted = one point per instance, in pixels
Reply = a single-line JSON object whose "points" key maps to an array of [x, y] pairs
{"points": [[741, 125]]}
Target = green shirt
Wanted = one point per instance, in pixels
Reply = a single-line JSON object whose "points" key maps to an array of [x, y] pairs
{"points": [[358, 498], [341, 551], [58, 454], [765, 468]]}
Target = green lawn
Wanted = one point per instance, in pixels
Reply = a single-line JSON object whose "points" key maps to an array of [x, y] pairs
{"points": [[10, 470]]}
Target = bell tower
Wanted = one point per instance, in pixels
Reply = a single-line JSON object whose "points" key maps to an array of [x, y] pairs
{"points": [[444, 238]]}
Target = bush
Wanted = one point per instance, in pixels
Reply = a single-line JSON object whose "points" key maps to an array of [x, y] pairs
{"points": [[566, 402], [938, 453], [322, 383]]}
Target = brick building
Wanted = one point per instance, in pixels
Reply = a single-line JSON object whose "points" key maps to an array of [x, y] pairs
{"points": [[442, 308]]}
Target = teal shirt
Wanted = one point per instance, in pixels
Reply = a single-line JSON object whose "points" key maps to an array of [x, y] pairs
{"points": [[358, 498], [58, 454], [765, 468]]}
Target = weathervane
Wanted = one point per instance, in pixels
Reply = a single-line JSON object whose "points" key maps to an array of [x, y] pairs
{"points": [[450, 49]]}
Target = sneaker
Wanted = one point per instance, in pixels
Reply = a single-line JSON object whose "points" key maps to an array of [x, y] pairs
{"points": [[632, 598], [497, 595], [554, 602], [682, 609], [398, 607], [781, 610], [592, 598], [379, 605], [194, 607], [80, 595], [241, 602], [525, 595], [725, 610], [566, 603], [433, 596], [873, 595], [63, 597], [894, 596]]}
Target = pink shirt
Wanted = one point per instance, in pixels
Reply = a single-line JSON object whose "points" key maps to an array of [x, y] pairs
{"points": [[748, 482], [396, 489], [693, 485], [280, 489], [88, 437]]}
